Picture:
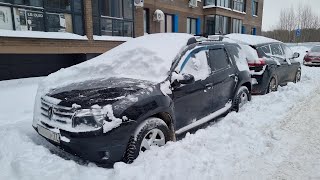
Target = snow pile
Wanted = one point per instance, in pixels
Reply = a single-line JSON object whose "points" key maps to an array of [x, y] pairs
{"points": [[41, 35], [302, 50], [147, 58], [250, 39], [266, 140], [246, 55], [115, 122]]}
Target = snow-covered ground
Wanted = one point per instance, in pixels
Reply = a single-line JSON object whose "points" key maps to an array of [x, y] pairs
{"points": [[276, 136]]}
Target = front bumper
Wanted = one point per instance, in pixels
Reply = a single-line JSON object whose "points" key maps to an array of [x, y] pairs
{"points": [[103, 149]]}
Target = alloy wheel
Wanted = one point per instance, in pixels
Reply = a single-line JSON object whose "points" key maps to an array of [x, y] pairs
{"points": [[154, 137]]}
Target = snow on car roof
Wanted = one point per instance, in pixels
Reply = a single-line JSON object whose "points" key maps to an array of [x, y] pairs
{"points": [[251, 39], [147, 58]]}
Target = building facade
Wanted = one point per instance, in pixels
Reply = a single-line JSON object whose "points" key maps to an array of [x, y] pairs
{"points": [[38, 37]]}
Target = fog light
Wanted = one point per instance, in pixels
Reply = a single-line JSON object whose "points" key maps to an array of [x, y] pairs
{"points": [[106, 155]]}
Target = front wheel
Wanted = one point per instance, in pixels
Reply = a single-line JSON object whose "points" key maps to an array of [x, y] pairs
{"points": [[243, 96], [298, 76], [152, 132]]}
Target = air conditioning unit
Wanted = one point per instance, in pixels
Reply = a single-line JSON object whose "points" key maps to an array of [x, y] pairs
{"points": [[138, 3], [158, 15], [193, 3]]}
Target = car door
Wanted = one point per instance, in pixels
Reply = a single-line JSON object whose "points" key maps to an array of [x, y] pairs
{"points": [[193, 101], [283, 66], [224, 77], [293, 65]]}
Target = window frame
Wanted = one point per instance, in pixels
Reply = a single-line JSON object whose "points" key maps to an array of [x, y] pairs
{"points": [[146, 18], [100, 16], [255, 7], [189, 29]]}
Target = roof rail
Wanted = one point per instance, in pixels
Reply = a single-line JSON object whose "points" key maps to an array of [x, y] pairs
{"points": [[207, 37]]}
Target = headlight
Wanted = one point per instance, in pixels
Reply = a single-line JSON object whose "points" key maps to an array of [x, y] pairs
{"points": [[88, 117]]}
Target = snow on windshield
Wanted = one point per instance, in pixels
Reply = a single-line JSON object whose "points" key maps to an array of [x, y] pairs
{"points": [[250, 39]]}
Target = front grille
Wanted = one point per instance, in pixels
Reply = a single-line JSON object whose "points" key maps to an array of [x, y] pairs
{"points": [[53, 112]]}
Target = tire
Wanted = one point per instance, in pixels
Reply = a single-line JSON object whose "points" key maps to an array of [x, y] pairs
{"points": [[273, 85], [242, 97], [297, 78], [144, 132]]}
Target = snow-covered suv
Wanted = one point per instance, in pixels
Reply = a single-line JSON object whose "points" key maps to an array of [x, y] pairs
{"points": [[276, 63], [140, 94]]}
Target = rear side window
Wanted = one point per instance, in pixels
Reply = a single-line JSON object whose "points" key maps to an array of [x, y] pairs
{"points": [[266, 49], [315, 49], [218, 59], [276, 49]]}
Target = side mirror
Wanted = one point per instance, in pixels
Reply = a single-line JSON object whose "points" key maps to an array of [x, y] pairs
{"points": [[187, 79], [296, 55]]}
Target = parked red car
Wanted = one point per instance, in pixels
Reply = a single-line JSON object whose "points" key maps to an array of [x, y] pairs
{"points": [[312, 58]]}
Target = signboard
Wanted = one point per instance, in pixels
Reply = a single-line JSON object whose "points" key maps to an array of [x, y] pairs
{"points": [[298, 32], [35, 21], [5, 18], [26, 20]]}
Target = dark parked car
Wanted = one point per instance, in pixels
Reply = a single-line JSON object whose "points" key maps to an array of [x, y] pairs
{"points": [[312, 58], [276, 64], [203, 83]]}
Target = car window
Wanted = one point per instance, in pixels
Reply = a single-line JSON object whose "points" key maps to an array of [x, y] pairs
{"points": [[218, 59], [276, 50], [315, 49], [196, 64], [266, 49], [288, 52]]}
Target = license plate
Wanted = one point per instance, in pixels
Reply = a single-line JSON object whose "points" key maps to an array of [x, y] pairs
{"points": [[49, 134]]}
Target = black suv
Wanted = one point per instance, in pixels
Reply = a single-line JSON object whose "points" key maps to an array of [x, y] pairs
{"points": [[274, 66], [277, 67], [203, 83]]}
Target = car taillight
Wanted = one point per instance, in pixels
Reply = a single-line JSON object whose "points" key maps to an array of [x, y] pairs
{"points": [[307, 58], [259, 62]]}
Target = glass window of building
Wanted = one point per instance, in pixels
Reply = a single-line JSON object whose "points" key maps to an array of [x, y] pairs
{"points": [[239, 5], [221, 3], [112, 17], [146, 23], [210, 25], [191, 25], [236, 26], [255, 8], [217, 24], [43, 15], [222, 24], [210, 2], [166, 26]]}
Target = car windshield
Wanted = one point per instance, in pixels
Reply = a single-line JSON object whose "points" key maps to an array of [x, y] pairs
{"points": [[146, 58], [315, 49]]}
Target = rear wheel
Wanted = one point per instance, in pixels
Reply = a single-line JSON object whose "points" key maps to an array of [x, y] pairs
{"points": [[298, 76], [243, 96], [152, 132], [273, 85]]}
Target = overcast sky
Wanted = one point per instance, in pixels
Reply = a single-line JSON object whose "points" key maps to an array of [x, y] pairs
{"points": [[272, 10]]}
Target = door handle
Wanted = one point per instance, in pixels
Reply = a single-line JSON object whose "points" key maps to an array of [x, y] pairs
{"points": [[209, 85]]}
